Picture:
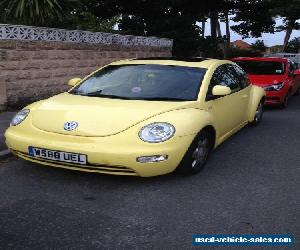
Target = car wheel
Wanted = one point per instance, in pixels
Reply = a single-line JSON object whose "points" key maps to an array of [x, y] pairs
{"points": [[285, 103], [197, 154], [297, 92], [258, 114]]}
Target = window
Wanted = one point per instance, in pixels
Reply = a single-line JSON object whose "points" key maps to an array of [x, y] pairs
{"points": [[241, 76], [144, 82], [292, 67], [262, 67], [225, 75]]}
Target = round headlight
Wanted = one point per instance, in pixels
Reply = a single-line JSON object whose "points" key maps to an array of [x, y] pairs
{"points": [[19, 117], [157, 132]]}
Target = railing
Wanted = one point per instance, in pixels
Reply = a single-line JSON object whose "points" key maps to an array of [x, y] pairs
{"points": [[31, 33], [293, 57]]}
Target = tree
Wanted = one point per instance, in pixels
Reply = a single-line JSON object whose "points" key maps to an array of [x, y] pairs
{"points": [[228, 9], [88, 21], [69, 14], [290, 12], [254, 17], [175, 19], [34, 11], [259, 45], [293, 46]]}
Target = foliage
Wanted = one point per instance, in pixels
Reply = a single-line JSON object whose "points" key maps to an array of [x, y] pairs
{"points": [[290, 12], [259, 45], [70, 14], [88, 21], [175, 19], [33, 11], [254, 18], [276, 49], [209, 47], [236, 52], [132, 25], [293, 46]]}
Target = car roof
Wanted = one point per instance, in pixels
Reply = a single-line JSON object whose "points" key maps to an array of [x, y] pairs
{"points": [[174, 58], [269, 59], [198, 62]]}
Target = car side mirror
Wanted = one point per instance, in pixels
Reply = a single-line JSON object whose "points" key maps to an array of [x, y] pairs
{"points": [[74, 82], [220, 90]]}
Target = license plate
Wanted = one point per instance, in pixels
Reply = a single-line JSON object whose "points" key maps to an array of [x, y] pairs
{"points": [[54, 155]]}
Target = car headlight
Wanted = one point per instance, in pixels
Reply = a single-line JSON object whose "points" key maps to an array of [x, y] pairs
{"points": [[157, 132], [19, 117], [274, 87]]}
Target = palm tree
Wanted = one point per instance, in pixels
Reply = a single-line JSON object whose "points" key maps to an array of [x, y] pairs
{"points": [[33, 11]]}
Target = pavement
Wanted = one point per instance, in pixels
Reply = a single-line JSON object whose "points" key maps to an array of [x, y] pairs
{"points": [[250, 186], [5, 118]]}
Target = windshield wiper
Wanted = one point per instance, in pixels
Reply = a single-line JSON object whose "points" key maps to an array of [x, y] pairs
{"points": [[98, 94], [94, 94]]}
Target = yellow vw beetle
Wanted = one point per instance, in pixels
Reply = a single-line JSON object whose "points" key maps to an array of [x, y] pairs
{"points": [[141, 117]]}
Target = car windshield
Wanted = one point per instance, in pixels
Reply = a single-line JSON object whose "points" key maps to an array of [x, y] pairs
{"points": [[143, 82], [262, 67]]}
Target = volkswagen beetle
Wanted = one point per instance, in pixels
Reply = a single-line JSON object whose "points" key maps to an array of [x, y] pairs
{"points": [[143, 117]]}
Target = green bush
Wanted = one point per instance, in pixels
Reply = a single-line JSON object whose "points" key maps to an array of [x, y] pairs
{"points": [[236, 52]]}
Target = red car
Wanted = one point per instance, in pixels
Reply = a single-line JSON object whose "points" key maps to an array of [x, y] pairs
{"points": [[278, 76]]}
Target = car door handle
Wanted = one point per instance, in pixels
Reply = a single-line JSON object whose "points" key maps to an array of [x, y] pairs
{"points": [[244, 96]]}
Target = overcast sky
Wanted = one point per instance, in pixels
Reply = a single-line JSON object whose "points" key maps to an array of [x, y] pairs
{"points": [[269, 39]]}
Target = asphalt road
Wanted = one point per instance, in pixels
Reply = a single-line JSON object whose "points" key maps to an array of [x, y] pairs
{"points": [[250, 185]]}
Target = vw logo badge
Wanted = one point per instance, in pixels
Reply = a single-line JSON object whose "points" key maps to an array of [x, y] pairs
{"points": [[69, 126]]}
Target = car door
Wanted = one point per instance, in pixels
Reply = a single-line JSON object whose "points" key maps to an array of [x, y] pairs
{"points": [[294, 79], [228, 111], [245, 86]]}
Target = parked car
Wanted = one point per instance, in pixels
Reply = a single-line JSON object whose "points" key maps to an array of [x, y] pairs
{"points": [[141, 117], [278, 76]]}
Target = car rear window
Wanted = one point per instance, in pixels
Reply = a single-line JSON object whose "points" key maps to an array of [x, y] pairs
{"points": [[262, 67]]}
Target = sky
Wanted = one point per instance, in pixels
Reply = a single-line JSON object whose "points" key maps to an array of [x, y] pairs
{"points": [[269, 39]]}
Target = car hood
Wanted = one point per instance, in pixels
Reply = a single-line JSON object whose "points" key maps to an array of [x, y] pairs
{"points": [[265, 80], [97, 116]]}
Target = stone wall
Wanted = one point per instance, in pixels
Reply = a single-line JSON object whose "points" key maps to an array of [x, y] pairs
{"points": [[31, 70]]}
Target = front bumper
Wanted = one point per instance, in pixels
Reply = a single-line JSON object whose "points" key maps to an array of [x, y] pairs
{"points": [[275, 97], [114, 154]]}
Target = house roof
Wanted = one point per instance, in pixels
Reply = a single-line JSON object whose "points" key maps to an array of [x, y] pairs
{"points": [[241, 44]]}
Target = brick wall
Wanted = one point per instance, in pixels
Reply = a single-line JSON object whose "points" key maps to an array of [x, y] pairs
{"points": [[32, 70]]}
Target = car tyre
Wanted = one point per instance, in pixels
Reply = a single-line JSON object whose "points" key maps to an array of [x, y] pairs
{"points": [[285, 102], [258, 114], [196, 157], [297, 92]]}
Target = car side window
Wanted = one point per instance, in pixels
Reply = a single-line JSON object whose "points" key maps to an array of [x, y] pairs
{"points": [[224, 75], [292, 66], [243, 79]]}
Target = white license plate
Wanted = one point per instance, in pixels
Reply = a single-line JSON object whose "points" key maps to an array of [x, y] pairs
{"points": [[54, 155]]}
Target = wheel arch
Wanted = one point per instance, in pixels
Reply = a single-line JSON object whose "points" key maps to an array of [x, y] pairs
{"points": [[212, 131], [257, 95]]}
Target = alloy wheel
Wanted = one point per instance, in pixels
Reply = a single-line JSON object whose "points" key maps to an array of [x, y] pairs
{"points": [[259, 112], [200, 153]]}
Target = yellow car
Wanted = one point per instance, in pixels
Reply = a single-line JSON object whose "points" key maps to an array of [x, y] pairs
{"points": [[142, 117]]}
